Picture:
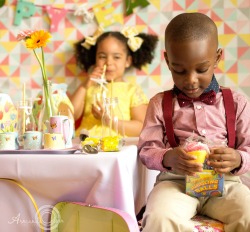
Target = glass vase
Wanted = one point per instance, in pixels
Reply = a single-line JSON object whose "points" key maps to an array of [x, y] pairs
{"points": [[48, 107], [112, 126], [26, 121]]}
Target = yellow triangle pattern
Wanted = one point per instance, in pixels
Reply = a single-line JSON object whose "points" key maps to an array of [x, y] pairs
{"points": [[235, 2], [9, 46], [246, 38], [207, 2], [145, 68], [16, 80], [60, 6], [60, 80], [156, 3], [156, 78], [34, 68], [141, 28], [72, 68], [68, 31], [191, 11], [226, 39], [61, 56], [49, 69], [218, 23], [221, 65], [5, 69], [3, 32], [233, 77]]}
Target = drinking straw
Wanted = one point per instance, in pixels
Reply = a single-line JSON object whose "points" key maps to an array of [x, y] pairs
{"points": [[112, 81], [104, 71], [23, 105], [111, 105], [103, 78]]}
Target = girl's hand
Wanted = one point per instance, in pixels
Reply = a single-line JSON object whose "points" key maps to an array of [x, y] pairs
{"points": [[224, 160], [97, 110], [96, 72], [181, 163]]}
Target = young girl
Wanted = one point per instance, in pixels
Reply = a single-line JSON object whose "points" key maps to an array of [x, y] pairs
{"points": [[110, 55]]}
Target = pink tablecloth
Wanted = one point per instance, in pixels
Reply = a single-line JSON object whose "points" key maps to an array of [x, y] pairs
{"points": [[109, 179]]}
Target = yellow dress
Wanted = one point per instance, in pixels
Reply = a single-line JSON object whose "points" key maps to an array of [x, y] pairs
{"points": [[129, 96]]}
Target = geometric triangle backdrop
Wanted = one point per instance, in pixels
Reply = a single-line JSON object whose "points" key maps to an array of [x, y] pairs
{"points": [[18, 65]]}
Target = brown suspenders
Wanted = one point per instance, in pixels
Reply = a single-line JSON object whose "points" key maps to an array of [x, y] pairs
{"points": [[167, 105]]}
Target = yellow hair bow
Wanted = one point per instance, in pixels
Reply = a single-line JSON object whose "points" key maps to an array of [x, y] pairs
{"points": [[91, 40], [134, 42]]}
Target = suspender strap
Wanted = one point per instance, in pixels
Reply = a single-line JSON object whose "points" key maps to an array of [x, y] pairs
{"points": [[230, 116], [167, 106]]}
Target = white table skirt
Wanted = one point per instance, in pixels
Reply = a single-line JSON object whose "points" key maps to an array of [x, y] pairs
{"points": [[111, 179]]}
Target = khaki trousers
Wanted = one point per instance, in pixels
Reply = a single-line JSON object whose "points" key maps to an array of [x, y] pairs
{"points": [[169, 209]]}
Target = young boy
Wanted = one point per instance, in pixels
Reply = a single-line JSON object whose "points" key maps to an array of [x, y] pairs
{"points": [[192, 54]]}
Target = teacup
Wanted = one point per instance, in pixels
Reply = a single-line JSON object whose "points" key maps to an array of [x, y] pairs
{"points": [[8, 141], [32, 140], [60, 124], [54, 141]]}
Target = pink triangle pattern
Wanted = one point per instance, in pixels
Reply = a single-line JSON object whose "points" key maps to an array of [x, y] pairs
{"points": [[176, 6], [233, 21]]}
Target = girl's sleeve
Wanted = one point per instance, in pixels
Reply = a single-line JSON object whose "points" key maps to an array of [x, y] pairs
{"points": [[138, 97]]}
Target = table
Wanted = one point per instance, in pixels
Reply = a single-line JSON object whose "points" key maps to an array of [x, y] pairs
{"points": [[111, 179]]}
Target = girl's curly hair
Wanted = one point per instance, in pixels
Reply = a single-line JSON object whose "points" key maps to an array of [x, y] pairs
{"points": [[85, 58]]}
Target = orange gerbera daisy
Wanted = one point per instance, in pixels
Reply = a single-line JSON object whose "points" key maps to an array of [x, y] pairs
{"points": [[37, 39], [33, 40]]}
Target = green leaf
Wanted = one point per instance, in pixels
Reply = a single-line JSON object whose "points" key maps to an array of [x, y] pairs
{"points": [[2, 2]]}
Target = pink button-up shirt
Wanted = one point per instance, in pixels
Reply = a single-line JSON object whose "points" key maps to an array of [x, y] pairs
{"points": [[200, 119]]}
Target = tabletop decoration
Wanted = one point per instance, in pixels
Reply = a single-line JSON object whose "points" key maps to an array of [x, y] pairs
{"points": [[35, 39], [8, 114]]}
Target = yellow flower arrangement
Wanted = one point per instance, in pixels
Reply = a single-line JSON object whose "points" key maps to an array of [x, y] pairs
{"points": [[35, 40]]}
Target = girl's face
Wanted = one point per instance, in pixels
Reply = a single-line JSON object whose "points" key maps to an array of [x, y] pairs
{"points": [[113, 53], [192, 65]]}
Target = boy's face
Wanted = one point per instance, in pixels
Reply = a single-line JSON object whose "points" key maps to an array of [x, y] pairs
{"points": [[192, 64]]}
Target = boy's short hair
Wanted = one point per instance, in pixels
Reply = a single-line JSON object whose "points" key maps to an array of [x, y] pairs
{"points": [[190, 26]]}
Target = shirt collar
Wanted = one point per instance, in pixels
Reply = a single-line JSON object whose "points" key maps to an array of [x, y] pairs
{"points": [[212, 86]]}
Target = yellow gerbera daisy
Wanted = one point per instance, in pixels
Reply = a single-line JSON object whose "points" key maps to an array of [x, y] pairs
{"points": [[38, 39]]}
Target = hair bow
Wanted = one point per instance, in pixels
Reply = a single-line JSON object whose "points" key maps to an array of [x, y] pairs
{"points": [[91, 40], [134, 42]]}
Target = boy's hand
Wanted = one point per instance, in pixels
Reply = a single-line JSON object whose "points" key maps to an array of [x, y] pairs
{"points": [[224, 160], [181, 163]]}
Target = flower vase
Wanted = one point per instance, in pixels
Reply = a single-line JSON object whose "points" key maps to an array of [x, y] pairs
{"points": [[48, 107]]}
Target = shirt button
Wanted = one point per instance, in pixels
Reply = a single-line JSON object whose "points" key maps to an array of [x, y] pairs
{"points": [[198, 107], [203, 132]]}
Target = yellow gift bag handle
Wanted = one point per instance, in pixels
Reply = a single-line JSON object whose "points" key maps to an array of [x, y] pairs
{"points": [[31, 198]]}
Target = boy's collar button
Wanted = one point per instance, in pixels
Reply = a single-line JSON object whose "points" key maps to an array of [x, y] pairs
{"points": [[203, 132]]}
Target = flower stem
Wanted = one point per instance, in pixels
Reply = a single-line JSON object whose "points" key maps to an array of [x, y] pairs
{"points": [[41, 63]]}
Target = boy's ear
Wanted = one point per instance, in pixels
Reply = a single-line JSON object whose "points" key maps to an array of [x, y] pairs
{"points": [[218, 57], [166, 58], [129, 61]]}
